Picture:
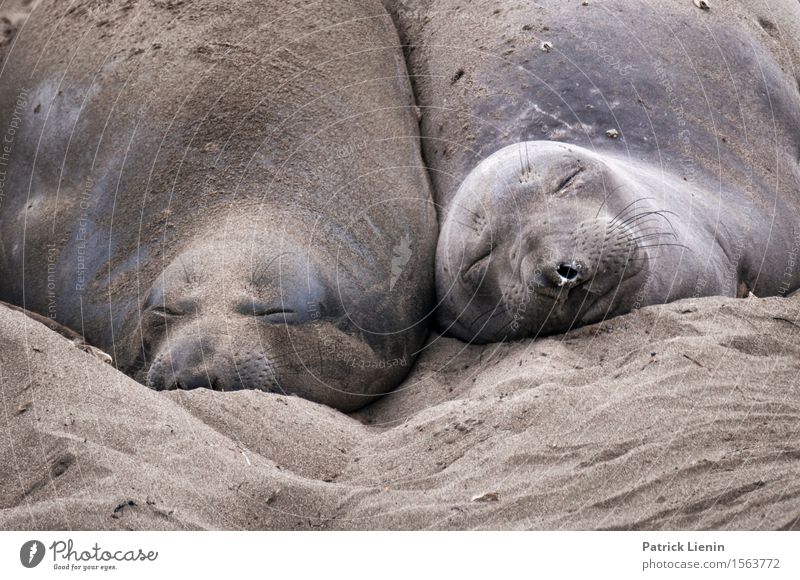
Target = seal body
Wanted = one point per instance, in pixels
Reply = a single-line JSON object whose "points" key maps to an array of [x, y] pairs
{"points": [[222, 195], [592, 159]]}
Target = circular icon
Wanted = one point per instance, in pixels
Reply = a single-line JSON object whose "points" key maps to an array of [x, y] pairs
{"points": [[31, 553]]}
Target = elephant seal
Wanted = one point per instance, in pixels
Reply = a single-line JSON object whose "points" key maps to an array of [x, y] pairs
{"points": [[593, 158], [221, 195]]}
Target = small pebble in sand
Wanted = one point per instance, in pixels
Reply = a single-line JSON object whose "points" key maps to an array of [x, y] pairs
{"points": [[702, 4], [488, 496], [612, 133], [547, 46]]}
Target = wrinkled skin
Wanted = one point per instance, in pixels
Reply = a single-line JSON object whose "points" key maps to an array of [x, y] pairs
{"points": [[591, 160]]}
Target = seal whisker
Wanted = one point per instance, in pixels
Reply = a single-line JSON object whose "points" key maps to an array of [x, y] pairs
{"points": [[627, 207], [528, 159], [652, 229], [664, 214], [605, 198], [632, 220], [653, 235], [629, 220], [648, 237], [666, 245], [649, 220]]}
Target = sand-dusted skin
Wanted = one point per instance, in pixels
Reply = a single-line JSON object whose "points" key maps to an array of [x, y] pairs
{"points": [[592, 159], [220, 194]]}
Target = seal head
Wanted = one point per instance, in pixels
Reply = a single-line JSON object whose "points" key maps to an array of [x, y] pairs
{"points": [[541, 237], [265, 312]]}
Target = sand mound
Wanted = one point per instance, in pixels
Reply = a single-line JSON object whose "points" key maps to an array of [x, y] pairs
{"points": [[679, 416]]}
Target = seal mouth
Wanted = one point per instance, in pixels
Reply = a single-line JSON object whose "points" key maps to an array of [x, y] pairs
{"points": [[558, 294], [576, 292], [598, 304]]}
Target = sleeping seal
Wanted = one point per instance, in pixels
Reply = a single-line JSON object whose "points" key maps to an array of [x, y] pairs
{"points": [[223, 195], [593, 159]]}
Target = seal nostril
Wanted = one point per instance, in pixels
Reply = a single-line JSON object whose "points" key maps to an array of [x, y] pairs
{"points": [[567, 272]]}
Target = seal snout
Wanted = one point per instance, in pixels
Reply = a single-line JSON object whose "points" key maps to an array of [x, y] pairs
{"points": [[199, 364], [557, 277]]}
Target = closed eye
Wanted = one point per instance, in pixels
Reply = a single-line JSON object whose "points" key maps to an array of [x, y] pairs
{"points": [[270, 313], [479, 263], [166, 311], [568, 180], [160, 316]]}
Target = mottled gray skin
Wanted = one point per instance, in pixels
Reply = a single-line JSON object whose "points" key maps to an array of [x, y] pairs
{"points": [[548, 221], [220, 194]]}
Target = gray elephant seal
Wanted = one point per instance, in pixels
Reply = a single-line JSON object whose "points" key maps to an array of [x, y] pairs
{"points": [[221, 195], [594, 159]]}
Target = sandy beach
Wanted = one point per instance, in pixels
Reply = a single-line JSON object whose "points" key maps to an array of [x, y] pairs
{"points": [[677, 416], [682, 416]]}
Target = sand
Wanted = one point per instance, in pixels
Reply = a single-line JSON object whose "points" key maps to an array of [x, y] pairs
{"points": [[681, 416]]}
